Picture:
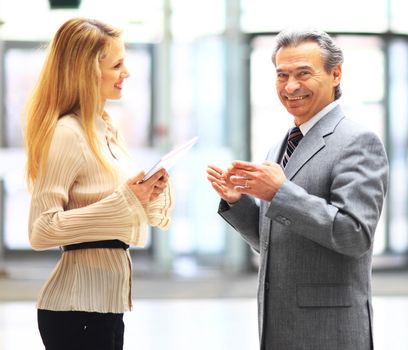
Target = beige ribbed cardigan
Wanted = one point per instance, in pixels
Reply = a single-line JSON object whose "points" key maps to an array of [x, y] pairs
{"points": [[75, 200]]}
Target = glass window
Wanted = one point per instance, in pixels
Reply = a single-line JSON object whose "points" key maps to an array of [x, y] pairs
{"points": [[198, 95], [398, 145], [356, 16], [19, 79], [194, 19], [16, 201], [398, 17], [141, 20], [363, 81]]}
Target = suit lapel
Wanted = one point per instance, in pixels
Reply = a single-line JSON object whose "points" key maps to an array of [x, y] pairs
{"points": [[276, 152], [313, 141]]}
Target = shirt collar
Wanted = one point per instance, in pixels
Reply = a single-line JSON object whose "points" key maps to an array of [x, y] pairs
{"points": [[305, 127], [100, 124]]}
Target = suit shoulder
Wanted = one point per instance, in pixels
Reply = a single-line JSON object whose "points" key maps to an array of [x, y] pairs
{"points": [[349, 128], [353, 136]]}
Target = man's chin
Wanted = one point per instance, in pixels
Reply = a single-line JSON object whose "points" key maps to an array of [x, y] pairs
{"points": [[295, 110]]}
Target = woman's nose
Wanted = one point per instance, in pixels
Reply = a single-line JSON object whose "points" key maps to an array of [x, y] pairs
{"points": [[124, 74]]}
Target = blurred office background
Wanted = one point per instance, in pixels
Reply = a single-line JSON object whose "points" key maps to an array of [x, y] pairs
{"points": [[204, 68]]}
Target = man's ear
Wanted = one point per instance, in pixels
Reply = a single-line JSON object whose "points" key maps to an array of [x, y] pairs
{"points": [[336, 72]]}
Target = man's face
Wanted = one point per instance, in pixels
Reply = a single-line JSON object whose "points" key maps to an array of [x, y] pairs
{"points": [[302, 84]]}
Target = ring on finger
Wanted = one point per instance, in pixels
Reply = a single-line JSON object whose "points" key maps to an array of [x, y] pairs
{"points": [[246, 183]]}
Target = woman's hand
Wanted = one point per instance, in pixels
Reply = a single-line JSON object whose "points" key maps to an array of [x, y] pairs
{"points": [[221, 183], [150, 189]]}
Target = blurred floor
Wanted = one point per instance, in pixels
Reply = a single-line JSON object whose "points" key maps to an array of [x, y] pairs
{"points": [[199, 324], [189, 310], [154, 325]]}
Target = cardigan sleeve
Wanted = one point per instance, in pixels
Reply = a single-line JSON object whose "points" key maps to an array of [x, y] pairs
{"points": [[158, 211], [117, 215]]}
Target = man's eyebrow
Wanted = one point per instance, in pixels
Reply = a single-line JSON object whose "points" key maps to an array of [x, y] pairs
{"points": [[296, 69], [303, 67]]}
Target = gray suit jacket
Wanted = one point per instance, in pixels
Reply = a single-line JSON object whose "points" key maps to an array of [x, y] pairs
{"points": [[315, 239]]}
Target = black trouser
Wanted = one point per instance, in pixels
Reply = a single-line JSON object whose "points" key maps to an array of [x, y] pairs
{"points": [[78, 330]]}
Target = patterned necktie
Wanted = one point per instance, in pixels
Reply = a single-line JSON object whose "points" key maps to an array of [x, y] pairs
{"points": [[294, 138]]}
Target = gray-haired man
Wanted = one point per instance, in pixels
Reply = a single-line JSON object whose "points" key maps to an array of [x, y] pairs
{"points": [[321, 193]]}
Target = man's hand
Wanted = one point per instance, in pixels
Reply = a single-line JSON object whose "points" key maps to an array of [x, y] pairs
{"points": [[222, 184], [261, 181]]}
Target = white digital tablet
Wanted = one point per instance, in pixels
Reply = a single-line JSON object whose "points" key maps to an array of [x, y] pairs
{"points": [[170, 158]]}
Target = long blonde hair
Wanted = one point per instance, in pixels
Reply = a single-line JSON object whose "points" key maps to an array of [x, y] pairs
{"points": [[69, 82]]}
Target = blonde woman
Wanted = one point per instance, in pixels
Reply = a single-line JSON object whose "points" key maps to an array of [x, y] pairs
{"points": [[82, 199]]}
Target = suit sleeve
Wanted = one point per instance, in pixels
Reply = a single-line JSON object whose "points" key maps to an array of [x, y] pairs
{"points": [[244, 218], [347, 220]]}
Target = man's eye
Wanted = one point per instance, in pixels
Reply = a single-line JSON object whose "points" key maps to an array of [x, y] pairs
{"points": [[303, 74], [282, 76], [118, 66]]}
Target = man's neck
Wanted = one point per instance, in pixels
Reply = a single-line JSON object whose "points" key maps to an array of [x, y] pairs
{"points": [[307, 125]]}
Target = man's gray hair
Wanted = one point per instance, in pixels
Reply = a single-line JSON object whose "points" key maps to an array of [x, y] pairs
{"points": [[331, 53]]}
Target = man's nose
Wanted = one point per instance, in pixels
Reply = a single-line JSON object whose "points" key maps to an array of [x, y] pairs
{"points": [[292, 85]]}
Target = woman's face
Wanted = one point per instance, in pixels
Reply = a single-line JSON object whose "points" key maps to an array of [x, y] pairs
{"points": [[113, 70]]}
